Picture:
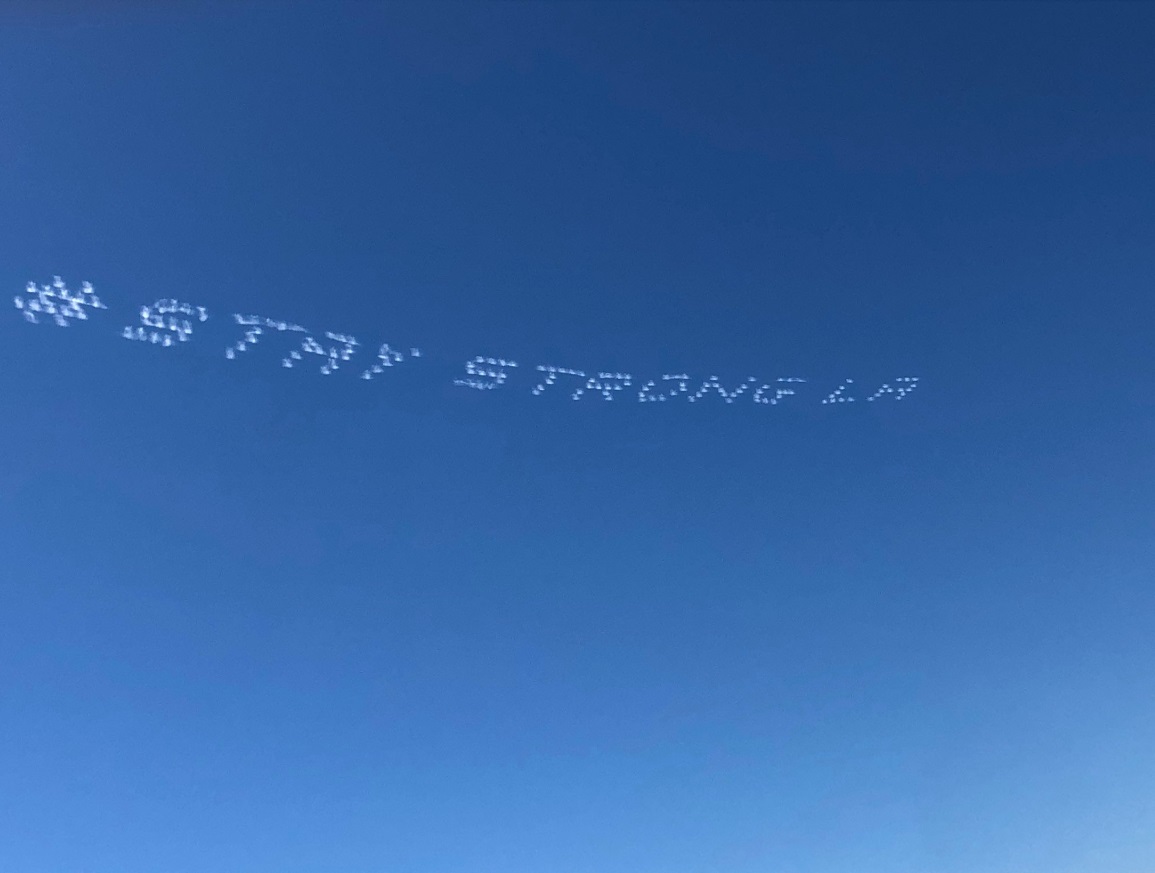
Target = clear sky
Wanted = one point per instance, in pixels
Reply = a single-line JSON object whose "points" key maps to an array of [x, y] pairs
{"points": [[256, 618]]}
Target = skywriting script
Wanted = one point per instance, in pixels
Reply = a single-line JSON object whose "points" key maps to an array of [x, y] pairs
{"points": [[167, 323]]}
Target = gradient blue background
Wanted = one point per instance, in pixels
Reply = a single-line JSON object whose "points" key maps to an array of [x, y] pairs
{"points": [[256, 619]]}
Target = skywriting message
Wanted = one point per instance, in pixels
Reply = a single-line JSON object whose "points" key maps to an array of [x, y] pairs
{"points": [[169, 323]]}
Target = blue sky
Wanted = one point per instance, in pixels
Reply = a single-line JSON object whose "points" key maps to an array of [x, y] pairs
{"points": [[256, 618]]}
